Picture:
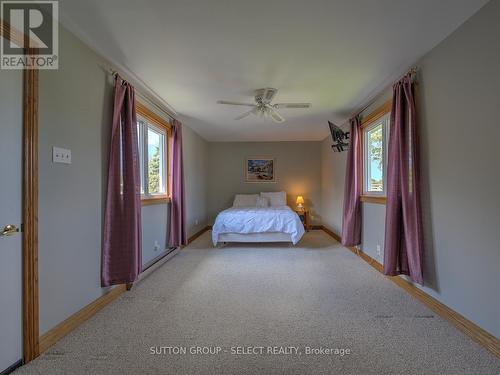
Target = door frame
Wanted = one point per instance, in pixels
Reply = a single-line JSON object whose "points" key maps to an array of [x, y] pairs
{"points": [[29, 226], [31, 319]]}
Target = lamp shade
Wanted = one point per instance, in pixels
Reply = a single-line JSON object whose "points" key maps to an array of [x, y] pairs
{"points": [[300, 199]]}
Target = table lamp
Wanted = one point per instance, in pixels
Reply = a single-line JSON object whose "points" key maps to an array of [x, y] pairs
{"points": [[300, 202]]}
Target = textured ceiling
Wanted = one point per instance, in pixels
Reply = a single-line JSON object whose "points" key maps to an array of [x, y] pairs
{"points": [[335, 54]]}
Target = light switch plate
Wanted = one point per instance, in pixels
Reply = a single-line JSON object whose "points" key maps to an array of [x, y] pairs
{"points": [[61, 155]]}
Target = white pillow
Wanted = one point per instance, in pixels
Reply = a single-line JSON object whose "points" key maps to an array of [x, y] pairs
{"points": [[262, 202], [245, 200], [276, 199]]}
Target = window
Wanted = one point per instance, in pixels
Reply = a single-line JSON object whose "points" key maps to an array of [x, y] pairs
{"points": [[375, 136], [153, 134]]}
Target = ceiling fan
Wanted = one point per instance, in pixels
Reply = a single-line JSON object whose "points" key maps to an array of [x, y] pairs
{"points": [[263, 107]]}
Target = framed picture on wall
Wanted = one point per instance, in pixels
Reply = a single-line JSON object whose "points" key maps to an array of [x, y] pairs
{"points": [[260, 169]]}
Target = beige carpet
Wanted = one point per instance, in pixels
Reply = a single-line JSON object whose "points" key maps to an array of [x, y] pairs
{"points": [[316, 295]]}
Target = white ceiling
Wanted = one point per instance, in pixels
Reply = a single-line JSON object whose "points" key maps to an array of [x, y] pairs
{"points": [[336, 54]]}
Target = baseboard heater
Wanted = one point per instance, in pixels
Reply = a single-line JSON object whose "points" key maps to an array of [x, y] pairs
{"points": [[153, 261]]}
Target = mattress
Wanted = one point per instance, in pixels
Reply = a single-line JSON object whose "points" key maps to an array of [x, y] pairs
{"points": [[258, 220]]}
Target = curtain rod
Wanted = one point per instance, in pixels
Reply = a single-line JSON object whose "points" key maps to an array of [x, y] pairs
{"points": [[143, 96], [412, 71]]}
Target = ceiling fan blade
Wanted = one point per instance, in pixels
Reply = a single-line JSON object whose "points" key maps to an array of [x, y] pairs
{"points": [[265, 95], [269, 95], [235, 103], [275, 116], [254, 111], [292, 105]]}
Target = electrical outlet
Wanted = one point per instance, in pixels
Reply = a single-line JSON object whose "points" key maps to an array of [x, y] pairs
{"points": [[196, 222], [61, 155], [157, 246], [379, 252]]}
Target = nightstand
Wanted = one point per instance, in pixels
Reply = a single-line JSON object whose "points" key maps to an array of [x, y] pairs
{"points": [[304, 217]]}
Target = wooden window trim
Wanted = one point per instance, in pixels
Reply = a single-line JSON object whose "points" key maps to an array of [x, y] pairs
{"points": [[373, 199], [376, 114], [367, 121], [147, 201], [153, 118]]}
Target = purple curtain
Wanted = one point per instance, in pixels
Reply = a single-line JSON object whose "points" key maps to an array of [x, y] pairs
{"points": [[403, 223], [177, 235], [121, 253], [351, 223]]}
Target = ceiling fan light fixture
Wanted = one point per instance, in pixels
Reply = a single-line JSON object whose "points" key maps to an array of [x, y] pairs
{"points": [[263, 106]]}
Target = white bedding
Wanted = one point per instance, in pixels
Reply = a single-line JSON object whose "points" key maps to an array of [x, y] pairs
{"points": [[245, 220]]}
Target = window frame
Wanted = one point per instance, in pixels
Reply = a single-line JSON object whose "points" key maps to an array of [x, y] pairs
{"points": [[153, 120], [371, 121]]}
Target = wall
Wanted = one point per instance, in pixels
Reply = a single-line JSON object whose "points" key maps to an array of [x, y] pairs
{"points": [[75, 105], [298, 168], [155, 220], [460, 130], [457, 104], [195, 155], [333, 165]]}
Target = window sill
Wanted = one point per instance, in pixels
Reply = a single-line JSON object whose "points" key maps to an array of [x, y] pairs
{"points": [[147, 201], [373, 199]]}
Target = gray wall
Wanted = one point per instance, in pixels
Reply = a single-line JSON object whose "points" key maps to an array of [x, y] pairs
{"points": [[459, 99], [195, 155], [298, 168], [155, 221], [333, 166], [458, 103], [373, 233], [75, 112]]}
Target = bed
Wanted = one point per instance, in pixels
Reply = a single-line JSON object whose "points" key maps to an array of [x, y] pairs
{"points": [[258, 218]]}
